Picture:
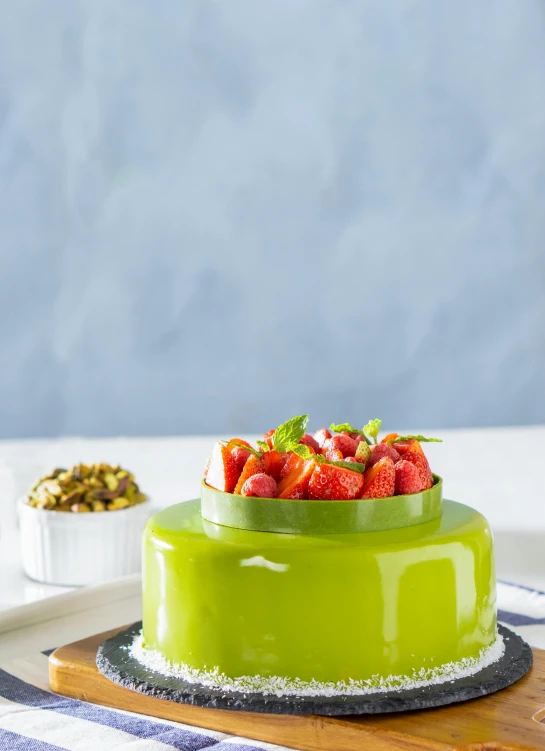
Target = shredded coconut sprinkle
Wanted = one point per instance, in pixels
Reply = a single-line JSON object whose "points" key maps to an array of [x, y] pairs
{"points": [[278, 686]]}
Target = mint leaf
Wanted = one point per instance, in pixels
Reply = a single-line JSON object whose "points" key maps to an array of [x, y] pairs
{"points": [[356, 466], [303, 451], [263, 445], [289, 433], [344, 427], [372, 429], [420, 438]]}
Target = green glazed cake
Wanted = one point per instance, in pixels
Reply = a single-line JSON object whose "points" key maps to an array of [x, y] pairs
{"points": [[318, 608], [304, 611]]}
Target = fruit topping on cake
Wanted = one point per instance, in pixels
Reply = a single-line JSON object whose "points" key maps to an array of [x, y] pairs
{"points": [[253, 466], [381, 450], [407, 478], [223, 470], [311, 442], [339, 463], [261, 485], [330, 482], [322, 436], [380, 479], [295, 483], [273, 463]]}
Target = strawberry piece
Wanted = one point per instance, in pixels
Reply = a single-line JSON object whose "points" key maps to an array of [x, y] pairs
{"points": [[252, 467], [238, 442], [241, 456], [350, 459], [260, 485], [273, 463], [295, 485], [269, 437], [357, 437], [334, 455], [329, 482], [415, 454], [223, 471], [292, 463], [343, 443], [407, 478], [238, 452], [381, 450], [325, 447], [390, 437], [312, 443], [321, 436], [379, 481], [403, 446], [363, 452]]}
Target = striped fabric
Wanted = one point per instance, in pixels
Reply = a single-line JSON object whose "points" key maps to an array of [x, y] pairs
{"points": [[34, 719]]}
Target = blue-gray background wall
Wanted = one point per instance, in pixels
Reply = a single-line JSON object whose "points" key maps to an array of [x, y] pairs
{"points": [[214, 215]]}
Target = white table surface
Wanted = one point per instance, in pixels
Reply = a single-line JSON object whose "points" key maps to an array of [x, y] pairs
{"points": [[497, 471]]}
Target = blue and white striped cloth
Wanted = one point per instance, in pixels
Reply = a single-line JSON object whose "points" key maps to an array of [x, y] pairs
{"points": [[34, 719]]}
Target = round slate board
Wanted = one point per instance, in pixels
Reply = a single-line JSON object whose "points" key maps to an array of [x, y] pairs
{"points": [[116, 663]]}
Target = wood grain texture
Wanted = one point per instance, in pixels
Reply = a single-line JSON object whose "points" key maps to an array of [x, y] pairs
{"points": [[510, 720]]}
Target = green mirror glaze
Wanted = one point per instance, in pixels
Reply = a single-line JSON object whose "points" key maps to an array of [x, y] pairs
{"points": [[318, 606], [321, 517]]}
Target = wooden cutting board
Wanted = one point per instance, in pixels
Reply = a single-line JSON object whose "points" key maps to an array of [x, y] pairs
{"points": [[511, 720]]}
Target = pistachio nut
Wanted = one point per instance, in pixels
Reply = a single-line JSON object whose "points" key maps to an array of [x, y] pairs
{"points": [[86, 488]]}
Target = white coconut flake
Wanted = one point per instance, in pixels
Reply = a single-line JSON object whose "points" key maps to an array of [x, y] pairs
{"points": [[278, 686]]}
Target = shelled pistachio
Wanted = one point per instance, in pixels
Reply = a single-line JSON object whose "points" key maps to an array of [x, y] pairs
{"points": [[86, 487]]}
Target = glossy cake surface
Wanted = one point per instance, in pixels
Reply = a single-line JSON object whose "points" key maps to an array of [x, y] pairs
{"points": [[322, 607]]}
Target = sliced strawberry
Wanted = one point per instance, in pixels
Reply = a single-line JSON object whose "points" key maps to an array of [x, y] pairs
{"points": [[238, 442], [241, 456], [379, 481], [223, 471], [312, 443], [334, 455], [329, 482], [407, 478], [381, 450], [390, 437], [321, 436], [269, 437], [291, 463], [252, 467], [403, 446], [295, 485], [415, 454], [273, 463], [343, 443]]}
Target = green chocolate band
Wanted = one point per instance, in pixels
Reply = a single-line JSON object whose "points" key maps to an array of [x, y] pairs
{"points": [[321, 517]]}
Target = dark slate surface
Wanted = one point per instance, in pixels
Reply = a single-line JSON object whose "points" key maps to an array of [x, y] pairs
{"points": [[116, 663]]}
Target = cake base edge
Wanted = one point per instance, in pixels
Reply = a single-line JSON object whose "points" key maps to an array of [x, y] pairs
{"points": [[116, 660]]}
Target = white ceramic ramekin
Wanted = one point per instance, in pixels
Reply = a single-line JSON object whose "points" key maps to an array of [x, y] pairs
{"points": [[76, 549]]}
